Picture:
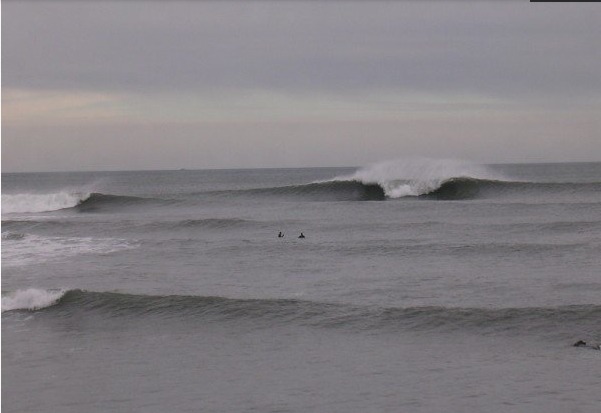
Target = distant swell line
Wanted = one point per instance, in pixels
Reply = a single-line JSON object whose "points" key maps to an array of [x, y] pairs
{"points": [[218, 309], [17, 229], [339, 189]]}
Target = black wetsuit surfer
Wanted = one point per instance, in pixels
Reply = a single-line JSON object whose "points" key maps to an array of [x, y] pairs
{"points": [[582, 343]]}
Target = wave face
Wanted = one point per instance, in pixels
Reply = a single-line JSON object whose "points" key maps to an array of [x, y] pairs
{"points": [[325, 191], [470, 188], [24, 203], [98, 202], [323, 315]]}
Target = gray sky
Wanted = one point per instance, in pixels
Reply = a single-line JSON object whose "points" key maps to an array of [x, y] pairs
{"points": [[154, 85]]}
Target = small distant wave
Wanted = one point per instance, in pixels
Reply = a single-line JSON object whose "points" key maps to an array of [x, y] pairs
{"points": [[25, 203], [267, 312], [207, 223], [30, 299], [18, 229]]}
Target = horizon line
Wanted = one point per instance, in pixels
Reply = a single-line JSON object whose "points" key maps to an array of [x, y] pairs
{"points": [[271, 168]]}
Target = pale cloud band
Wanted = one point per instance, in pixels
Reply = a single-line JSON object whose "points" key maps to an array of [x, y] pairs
{"points": [[121, 85]]}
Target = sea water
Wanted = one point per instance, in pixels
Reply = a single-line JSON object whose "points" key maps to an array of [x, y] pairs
{"points": [[421, 285]]}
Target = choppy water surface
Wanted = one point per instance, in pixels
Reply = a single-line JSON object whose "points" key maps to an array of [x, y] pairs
{"points": [[422, 285]]}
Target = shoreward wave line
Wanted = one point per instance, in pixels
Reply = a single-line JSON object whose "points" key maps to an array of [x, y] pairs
{"points": [[265, 312]]}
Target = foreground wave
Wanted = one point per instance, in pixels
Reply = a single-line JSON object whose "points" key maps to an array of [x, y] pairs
{"points": [[73, 303]]}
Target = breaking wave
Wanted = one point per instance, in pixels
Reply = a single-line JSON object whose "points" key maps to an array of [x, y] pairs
{"points": [[453, 188], [426, 179], [23, 203], [31, 299], [267, 312], [449, 180], [415, 177], [352, 189], [82, 202]]}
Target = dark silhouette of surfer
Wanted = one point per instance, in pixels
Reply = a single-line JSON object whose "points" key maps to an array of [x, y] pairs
{"points": [[281, 235], [301, 235], [582, 343]]}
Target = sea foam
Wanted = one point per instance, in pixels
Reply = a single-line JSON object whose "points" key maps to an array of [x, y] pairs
{"points": [[30, 299]]}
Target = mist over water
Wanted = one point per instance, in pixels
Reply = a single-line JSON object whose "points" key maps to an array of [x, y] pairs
{"points": [[421, 284]]}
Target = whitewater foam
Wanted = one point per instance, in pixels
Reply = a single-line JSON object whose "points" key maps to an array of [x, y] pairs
{"points": [[415, 177], [33, 249], [22, 203], [12, 236], [30, 299]]}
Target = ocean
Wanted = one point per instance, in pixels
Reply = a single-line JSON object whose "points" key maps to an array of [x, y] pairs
{"points": [[420, 285]]}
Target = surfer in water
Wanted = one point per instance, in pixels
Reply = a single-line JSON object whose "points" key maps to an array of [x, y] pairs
{"points": [[301, 235], [281, 235], [582, 343]]}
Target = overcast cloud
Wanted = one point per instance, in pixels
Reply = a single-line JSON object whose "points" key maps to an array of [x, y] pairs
{"points": [[148, 84]]}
